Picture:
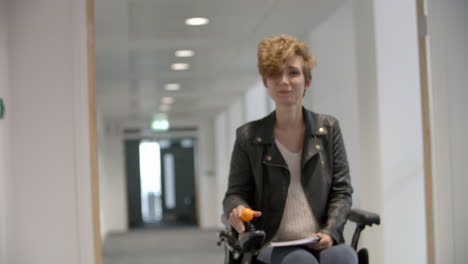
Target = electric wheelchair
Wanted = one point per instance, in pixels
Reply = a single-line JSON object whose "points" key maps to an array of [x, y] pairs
{"points": [[239, 248]]}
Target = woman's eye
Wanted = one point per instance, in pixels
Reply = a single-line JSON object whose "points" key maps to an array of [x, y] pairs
{"points": [[294, 73]]}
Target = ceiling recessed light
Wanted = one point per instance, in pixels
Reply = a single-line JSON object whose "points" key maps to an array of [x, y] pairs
{"points": [[197, 21], [184, 53], [180, 66], [167, 100], [172, 86]]}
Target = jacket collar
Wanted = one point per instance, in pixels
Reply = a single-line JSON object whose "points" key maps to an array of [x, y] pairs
{"points": [[265, 132]]}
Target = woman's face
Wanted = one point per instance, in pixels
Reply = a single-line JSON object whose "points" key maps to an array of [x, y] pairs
{"points": [[287, 87]]}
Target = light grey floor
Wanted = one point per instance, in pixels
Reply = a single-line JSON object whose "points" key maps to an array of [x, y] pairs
{"points": [[163, 246]]}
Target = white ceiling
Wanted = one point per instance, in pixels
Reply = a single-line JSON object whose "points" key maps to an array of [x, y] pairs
{"points": [[136, 41]]}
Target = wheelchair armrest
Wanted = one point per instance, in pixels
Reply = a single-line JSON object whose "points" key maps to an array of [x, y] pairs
{"points": [[362, 217]]}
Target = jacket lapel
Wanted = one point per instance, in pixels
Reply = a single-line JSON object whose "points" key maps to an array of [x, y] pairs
{"points": [[313, 130], [265, 136]]}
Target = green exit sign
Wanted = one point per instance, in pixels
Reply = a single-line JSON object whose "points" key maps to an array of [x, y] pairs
{"points": [[160, 124], [2, 109]]}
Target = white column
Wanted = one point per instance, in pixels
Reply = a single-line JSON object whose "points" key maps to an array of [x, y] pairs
{"points": [[221, 160], [207, 205], [226, 124], [49, 202]]}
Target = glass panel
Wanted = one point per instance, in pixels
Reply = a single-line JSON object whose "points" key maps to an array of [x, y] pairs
{"points": [[169, 181], [150, 177]]}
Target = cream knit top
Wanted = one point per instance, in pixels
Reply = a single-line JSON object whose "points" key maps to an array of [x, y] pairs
{"points": [[298, 220]]}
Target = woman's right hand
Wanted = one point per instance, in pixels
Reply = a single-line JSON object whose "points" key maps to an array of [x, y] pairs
{"points": [[235, 218]]}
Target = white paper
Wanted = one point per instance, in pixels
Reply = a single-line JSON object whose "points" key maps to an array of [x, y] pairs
{"points": [[304, 241]]}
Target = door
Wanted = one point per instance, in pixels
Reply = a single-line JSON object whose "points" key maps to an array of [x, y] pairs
{"points": [[178, 181], [132, 160]]}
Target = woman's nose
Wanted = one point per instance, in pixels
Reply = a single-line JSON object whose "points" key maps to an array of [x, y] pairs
{"points": [[284, 78]]}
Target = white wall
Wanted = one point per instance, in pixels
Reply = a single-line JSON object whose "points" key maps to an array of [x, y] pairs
{"points": [[112, 180], [367, 65], [370, 183], [236, 118], [400, 132], [4, 129], [334, 88], [448, 59], [256, 102], [49, 183]]}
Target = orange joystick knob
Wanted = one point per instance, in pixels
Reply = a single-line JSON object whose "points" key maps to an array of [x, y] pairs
{"points": [[247, 214]]}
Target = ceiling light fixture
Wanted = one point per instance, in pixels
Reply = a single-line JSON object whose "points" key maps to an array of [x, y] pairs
{"points": [[197, 21], [167, 100], [180, 66], [172, 87], [184, 53]]}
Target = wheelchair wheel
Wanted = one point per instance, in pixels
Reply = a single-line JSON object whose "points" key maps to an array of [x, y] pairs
{"points": [[363, 256]]}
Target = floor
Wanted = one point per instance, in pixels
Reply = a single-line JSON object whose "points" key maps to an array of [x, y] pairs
{"points": [[174, 245]]}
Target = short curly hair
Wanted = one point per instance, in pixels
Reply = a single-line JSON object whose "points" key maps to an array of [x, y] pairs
{"points": [[273, 52]]}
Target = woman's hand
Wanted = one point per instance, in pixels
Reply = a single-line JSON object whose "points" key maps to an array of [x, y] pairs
{"points": [[236, 222], [325, 242]]}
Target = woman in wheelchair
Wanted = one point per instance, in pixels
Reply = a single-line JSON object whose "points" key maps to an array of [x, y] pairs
{"points": [[290, 167]]}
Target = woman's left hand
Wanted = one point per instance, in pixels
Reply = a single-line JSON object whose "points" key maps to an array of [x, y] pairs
{"points": [[325, 242]]}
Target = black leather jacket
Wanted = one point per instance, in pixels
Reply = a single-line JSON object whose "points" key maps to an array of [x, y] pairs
{"points": [[259, 177]]}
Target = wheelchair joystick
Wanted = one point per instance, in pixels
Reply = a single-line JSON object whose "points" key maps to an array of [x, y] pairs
{"points": [[249, 227], [251, 240]]}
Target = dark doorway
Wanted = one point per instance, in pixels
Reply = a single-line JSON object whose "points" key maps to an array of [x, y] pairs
{"points": [[164, 196]]}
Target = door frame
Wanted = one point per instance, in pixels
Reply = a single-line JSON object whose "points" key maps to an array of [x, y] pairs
{"points": [[93, 146], [426, 128]]}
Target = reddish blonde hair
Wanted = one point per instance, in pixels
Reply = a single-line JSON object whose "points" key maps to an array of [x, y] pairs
{"points": [[273, 52]]}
